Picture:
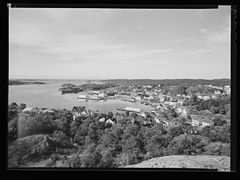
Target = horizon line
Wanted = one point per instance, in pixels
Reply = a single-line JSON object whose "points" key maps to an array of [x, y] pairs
{"points": [[120, 78]]}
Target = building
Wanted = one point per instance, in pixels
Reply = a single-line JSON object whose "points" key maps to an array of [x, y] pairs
{"points": [[132, 109], [101, 95], [155, 113], [47, 110], [102, 120], [138, 98], [109, 121], [203, 97], [142, 114], [217, 92], [156, 120], [227, 90], [76, 115], [28, 109], [195, 122], [182, 110], [95, 92], [201, 121], [167, 123], [82, 96]]}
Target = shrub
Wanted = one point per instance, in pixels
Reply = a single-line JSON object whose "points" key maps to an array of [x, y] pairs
{"points": [[219, 121], [30, 148], [74, 161], [12, 130], [90, 157], [186, 144], [122, 160], [217, 148], [175, 131], [62, 138]]}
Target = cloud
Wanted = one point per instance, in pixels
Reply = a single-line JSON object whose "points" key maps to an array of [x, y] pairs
{"points": [[203, 30], [185, 40], [141, 26], [217, 39], [78, 47]]}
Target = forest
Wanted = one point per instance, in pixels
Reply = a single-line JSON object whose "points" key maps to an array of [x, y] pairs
{"points": [[171, 82], [88, 142]]}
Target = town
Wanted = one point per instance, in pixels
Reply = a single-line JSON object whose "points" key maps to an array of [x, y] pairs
{"points": [[192, 120], [163, 99]]}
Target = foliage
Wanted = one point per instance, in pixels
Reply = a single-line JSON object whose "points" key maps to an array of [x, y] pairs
{"points": [[62, 138], [127, 141], [186, 144], [39, 124], [29, 147], [217, 148], [219, 121], [12, 111], [193, 100], [175, 131], [170, 82], [12, 129], [218, 133], [90, 157]]}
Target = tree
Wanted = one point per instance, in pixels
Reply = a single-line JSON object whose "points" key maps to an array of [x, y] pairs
{"points": [[131, 146], [214, 109], [217, 148], [186, 144], [122, 159], [208, 104], [208, 90], [30, 147], [171, 114], [62, 138], [165, 89], [90, 157], [193, 100], [156, 145], [181, 90], [191, 90], [217, 133], [12, 111], [185, 102], [12, 130], [175, 131], [22, 106], [201, 89]]}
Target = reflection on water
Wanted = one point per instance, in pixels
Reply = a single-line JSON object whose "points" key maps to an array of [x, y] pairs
{"points": [[47, 95]]}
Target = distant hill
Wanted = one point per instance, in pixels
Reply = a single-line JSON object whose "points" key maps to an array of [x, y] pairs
{"points": [[183, 82], [221, 163]]}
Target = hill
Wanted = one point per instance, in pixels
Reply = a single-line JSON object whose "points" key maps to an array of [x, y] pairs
{"points": [[221, 163], [171, 82]]}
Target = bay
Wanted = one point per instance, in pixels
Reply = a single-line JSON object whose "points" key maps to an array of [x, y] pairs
{"points": [[48, 96]]}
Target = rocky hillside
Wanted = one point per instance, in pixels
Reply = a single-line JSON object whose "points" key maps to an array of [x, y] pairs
{"points": [[221, 163]]}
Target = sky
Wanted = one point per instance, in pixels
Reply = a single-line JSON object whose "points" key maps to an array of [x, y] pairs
{"points": [[84, 43]]}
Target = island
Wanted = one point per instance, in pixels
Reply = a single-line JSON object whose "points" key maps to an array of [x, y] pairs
{"points": [[72, 88], [21, 82]]}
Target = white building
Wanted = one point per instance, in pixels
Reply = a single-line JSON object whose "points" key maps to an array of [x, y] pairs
{"points": [[227, 89], [102, 120], [182, 111], [138, 98], [138, 110], [101, 95], [143, 115], [27, 109], [109, 121], [82, 96], [157, 120], [217, 92]]}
